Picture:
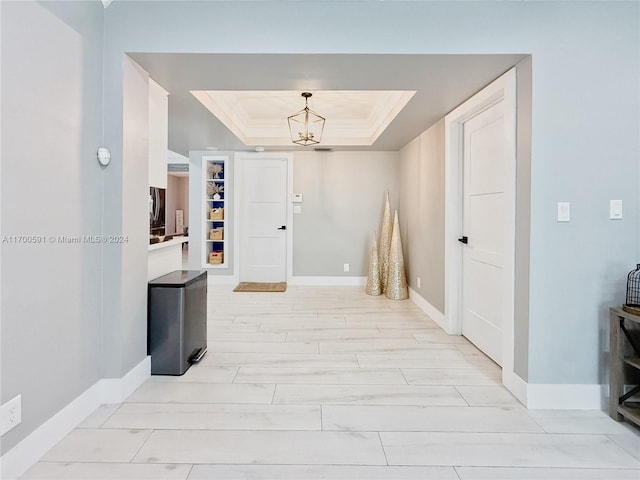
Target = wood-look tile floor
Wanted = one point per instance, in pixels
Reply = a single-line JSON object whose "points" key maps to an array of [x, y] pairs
{"points": [[328, 383]]}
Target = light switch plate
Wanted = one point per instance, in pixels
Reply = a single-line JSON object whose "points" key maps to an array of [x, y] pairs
{"points": [[297, 209], [564, 211], [615, 209]]}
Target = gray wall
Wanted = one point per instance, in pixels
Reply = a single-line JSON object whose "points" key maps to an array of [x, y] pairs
{"points": [[126, 187], [343, 195], [576, 156], [422, 213], [523, 220], [422, 224], [585, 142], [135, 217], [51, 185]]}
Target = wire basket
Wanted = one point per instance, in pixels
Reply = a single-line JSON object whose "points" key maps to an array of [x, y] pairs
{"points": [[633, 288]]}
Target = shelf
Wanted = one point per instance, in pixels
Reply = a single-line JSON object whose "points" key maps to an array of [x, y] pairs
{"points": [[629, 316], [623, 403], [630, 412], [209, 203], [633, 361]]}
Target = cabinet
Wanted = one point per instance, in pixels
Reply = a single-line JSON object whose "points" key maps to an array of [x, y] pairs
{"points": [[214, 191], [624, 366]]}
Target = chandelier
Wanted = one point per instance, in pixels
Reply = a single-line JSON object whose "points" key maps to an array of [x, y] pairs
{"points": [[306, 126]]}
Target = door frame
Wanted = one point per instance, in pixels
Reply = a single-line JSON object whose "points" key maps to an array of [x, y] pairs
{"points": [[239, 164], [501, 90]]}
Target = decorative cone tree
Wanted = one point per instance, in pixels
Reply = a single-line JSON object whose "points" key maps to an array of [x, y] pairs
{"points": [[396, 288], [385, 242], [373, 280]]}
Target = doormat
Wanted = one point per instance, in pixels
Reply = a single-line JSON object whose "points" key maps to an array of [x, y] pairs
{"points": [[261, 287]]}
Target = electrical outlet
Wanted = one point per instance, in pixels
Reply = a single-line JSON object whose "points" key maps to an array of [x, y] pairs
{"points": [[346, 267], [419, 282], [11, 414]]}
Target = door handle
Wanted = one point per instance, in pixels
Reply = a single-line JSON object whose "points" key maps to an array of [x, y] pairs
{"points": [[464, 240], [283, 227]]}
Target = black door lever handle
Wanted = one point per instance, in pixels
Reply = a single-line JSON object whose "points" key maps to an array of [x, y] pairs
{"points": [[464, 240], [283, 227]]}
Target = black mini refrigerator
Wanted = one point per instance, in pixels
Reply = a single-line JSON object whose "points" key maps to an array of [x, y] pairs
{"points": [[177, 321]]}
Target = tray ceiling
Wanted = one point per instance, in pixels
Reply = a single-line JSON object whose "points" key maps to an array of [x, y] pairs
{"points": [[256, 84], [259, 118]]}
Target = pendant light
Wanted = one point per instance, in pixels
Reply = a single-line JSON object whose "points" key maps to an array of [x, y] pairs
{"points": [[306, 126]]}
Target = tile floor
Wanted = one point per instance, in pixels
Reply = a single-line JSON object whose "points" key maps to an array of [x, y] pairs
{"points": [[328, 383]]}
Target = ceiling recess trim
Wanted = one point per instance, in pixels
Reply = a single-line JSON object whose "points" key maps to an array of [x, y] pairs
{"points": [[354, 117]]}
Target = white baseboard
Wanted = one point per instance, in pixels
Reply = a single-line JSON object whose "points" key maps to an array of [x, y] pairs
{"points": [[515, 385], [432, 312], [26, 453], [328, 281], [533, 396], [115, 390], [107, 390], [566, 396]]}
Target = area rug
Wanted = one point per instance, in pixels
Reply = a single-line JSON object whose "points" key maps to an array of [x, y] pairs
{"points": [[261, 287]]}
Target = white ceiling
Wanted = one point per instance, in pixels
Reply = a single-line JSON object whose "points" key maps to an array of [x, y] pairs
{"points": [[259, 118], [440, 83]]}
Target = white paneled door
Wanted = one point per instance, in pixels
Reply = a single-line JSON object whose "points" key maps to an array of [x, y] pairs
{"points": [[263, 235], [486, 224]]}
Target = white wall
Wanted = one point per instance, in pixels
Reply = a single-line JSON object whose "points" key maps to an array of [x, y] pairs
{"points": [[51, 185], [158, 134]]}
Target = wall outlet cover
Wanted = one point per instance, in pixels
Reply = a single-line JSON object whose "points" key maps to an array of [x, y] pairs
{"points": [[346, 267], [10, 414]]}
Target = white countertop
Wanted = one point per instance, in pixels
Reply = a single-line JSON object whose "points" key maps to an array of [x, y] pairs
{"points": [[169, 243]]}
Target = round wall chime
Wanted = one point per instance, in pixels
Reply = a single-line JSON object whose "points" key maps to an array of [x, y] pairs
{"points": [[632, 302]]}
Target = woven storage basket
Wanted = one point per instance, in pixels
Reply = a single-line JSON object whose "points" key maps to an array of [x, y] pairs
{"points": [[215, 258], [215, 233], [216, 214]]}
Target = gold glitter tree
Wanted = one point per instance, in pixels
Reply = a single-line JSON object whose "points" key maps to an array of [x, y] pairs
{"points": [[396, 288], [373, 280], [385, 242]]}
